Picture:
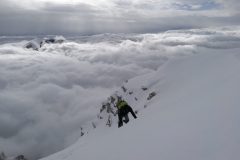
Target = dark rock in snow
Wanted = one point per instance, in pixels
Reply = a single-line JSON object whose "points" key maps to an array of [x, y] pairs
{"points": [[144, 88], [109, 121], [136, 111], [151, 95], [50, 40], [94, 125], [36, 44], [20, 157], [124, 89], [103, 107], [53, 40], [131, 92], [82, 133], [112, 99]]}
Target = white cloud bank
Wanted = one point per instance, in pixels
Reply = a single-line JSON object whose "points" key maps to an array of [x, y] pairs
{"points": [[46, 96]]}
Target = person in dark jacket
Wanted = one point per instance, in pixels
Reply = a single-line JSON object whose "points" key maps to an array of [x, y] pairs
{"points": [[123, 110]]}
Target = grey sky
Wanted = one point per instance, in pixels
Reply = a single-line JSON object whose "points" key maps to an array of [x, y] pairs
{"points": [[101, 16]]}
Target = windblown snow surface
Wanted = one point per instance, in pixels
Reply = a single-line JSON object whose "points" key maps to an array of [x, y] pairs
{"points": [[46, 96]]}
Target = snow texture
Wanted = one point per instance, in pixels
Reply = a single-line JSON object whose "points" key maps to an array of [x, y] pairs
{"points": [[194, 115]]}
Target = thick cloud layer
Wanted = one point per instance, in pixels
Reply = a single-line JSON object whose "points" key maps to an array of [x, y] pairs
{"points": [[114, 16], [46, 96]]}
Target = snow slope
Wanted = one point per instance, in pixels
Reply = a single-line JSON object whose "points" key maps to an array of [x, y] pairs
{"points": [[195, 115]]}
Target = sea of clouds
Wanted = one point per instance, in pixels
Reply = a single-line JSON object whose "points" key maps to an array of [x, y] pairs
{"points": [[47, 95]]}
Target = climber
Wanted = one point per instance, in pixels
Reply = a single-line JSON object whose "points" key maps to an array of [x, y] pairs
{"points": [[123, 110]]}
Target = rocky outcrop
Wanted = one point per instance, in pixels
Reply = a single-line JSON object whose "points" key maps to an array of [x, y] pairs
{"points": [[151, 95], [36, 44], [19, 157]]}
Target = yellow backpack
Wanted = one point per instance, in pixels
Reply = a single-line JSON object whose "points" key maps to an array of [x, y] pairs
{"points": [[121, 104]]}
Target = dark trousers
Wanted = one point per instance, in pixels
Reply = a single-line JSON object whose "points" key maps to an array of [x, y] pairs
{"points": [[123, 113]]}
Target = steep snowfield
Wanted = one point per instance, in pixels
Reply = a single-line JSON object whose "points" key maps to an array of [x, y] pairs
{"points": [[195, 115]]}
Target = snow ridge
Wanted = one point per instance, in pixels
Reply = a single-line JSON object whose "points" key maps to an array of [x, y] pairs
{"points": [[194, 115]]}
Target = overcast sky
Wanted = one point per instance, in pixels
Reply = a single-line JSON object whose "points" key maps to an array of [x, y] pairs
{"points": [[100, 16]]}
